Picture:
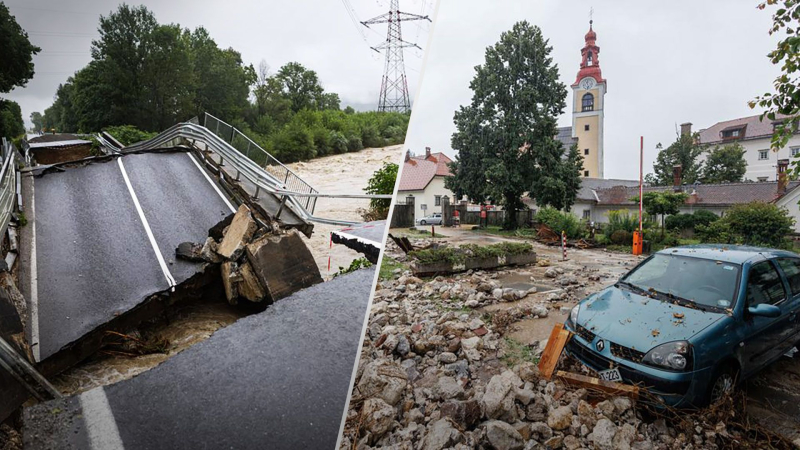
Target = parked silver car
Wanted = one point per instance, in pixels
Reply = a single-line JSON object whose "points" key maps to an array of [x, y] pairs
{"points": [[433, 219]]}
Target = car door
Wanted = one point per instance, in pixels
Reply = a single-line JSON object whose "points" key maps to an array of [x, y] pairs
{"points": [[763, 335], [791, 271]]}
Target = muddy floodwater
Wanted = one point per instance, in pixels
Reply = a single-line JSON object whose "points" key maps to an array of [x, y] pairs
{"points": [[340, 174]]}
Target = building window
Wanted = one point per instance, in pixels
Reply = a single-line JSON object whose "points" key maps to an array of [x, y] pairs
{"points": [[586, 151], [587, 214], [795, 151], [763, 178], [733, 134], [763, 155], [588, 102], [586, 173], [437, 200], [586, 127]]}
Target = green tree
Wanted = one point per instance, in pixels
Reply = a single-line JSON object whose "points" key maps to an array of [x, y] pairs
{"points": [[505, 136], [683, 151], [382, 182], [17, 52], [11, 124], [757, 223], [725, 164], [300, 85], [38, 121], [662, 203], [784, 104]]}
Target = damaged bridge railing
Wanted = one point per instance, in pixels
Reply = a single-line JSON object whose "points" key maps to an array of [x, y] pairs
{"points": [[293, 192], [250, 149], [8, 184]]}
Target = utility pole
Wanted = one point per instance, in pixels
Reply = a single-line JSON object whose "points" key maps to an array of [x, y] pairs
{"points": [[394, 87]]}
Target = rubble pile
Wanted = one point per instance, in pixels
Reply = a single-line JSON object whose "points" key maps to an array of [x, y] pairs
{"points": [[433, 374], [256, 264]]}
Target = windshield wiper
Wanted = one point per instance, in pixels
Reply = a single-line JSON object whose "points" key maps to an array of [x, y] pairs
{"points": [[682, 301], [632, 287]]}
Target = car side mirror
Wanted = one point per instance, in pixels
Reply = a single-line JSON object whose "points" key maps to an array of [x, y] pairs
{"points": [[764, 310]]}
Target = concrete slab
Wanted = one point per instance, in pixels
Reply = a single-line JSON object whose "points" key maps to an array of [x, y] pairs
{"points": [[278, 379], [366, 238]]}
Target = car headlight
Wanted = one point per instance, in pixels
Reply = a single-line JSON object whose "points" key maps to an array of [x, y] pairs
{"points": [[573, 315], [672, 355]]}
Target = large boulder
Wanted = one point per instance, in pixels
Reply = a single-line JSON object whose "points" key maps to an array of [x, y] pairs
{"points": [[382, 379], [498, 398], [502, 436], [441, 434], [377, 417]]}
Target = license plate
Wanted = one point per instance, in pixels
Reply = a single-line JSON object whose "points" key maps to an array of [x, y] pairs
{"points": [[610, 375]]}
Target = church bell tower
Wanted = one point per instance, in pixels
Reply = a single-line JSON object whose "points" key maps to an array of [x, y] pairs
{"points": [[588, 102]]}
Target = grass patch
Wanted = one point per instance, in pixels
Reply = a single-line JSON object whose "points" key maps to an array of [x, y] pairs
{"points": [[457, 255], [517, 353], [413, 232], [388, 265]]}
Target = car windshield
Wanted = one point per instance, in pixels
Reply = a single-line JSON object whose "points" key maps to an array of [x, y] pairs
{"points": [[703, 282]]}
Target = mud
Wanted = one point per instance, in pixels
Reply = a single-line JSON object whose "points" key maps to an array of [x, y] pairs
{"points": [[340, 174], [184, 328]]}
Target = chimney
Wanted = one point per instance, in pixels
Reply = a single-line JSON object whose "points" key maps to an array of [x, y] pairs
{"points": [[686, 128], [408, 155], [676, 177], [783, 164], [427, 152]]}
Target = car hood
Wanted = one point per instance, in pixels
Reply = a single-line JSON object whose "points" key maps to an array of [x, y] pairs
{"points": [[640, 322]]}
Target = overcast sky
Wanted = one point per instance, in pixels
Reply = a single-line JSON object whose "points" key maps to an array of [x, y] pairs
{"points": [[319, 35], [665, 63]]}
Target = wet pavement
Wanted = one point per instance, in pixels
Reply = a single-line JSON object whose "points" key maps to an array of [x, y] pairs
{"points": [[277, 379], [94, 258]]}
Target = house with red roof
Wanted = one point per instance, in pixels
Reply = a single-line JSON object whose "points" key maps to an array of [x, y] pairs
{"points": [[755, 136], [422, 182]]}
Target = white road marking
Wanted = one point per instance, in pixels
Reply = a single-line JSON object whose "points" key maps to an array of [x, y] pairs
{"points": [[99, 420], [34, 312], [214, 185], [146, 225]]}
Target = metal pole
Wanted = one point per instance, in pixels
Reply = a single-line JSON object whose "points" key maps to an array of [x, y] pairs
{"points": [[8, 353], [258, 189], [641, 179]]}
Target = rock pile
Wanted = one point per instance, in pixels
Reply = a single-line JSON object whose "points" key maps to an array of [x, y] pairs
{"points": [[432, 375], [256, 264]]}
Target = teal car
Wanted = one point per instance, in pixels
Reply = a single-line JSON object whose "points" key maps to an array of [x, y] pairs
{"points": [[689, 323]]}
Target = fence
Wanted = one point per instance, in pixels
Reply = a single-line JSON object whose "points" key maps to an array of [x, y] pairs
{"points": [[255, 153], [8, 185], [402, 215], [493, 218]]}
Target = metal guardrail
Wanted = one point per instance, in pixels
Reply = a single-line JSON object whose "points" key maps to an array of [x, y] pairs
{"points": [[8, 184], [250, 149], [246, 167]]}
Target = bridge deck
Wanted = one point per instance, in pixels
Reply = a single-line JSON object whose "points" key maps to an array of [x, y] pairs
{"points": [[93, 257]]}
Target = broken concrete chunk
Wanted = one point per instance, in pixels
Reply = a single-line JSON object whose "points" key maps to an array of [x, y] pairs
{"points": [[209, 251], [230, 277], [189, 251], [238, 234], [282, 263], [249, 287], [218, 230]]}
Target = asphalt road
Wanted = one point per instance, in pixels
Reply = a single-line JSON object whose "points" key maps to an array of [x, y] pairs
{"points": [[93, 256], [278, 379]]}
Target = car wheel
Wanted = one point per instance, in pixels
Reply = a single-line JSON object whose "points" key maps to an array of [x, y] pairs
{"points": [[422, 222], [723, 382]]}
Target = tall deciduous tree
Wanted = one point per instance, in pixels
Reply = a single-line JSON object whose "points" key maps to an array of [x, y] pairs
{"points": [[725, 164], [16, 67], [506, 136], [683, 151], [38, 120], [784, 104], [301, 86]]}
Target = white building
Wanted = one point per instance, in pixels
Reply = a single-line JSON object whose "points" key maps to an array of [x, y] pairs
{"points": [[755, 137], [422, 181]]}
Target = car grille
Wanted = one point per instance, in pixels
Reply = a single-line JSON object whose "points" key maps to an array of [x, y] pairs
{"points": [[585, 333], [626, 353]]}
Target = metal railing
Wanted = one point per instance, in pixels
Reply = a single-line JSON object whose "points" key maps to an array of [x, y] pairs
{"points": [[8, 184], [263, 158]]}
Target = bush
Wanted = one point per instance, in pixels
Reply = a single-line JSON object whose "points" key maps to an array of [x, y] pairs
{"points": [[559, 221], [129, 134], [756, 223], [458, 255], [621, 237], [621, 220], [683, 221]]}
